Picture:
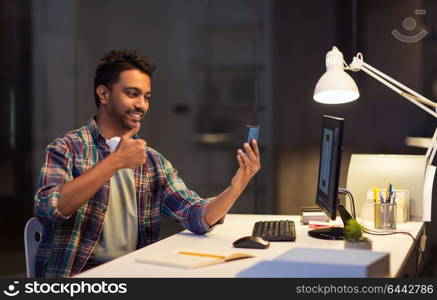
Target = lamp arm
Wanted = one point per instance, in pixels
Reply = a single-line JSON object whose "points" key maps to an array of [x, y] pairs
{"points": [[432, 149], [400, 92], [411, 92], [359, 65]]}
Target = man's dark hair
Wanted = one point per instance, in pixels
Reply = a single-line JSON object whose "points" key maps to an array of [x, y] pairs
{"points": [[116, 61]]}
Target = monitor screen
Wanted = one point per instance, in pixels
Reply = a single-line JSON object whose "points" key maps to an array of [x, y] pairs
{"points": [[329, 175], [329, 165]]}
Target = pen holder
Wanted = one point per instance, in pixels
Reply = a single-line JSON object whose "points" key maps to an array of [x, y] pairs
{"points": [[385, 216], [402, 205]]}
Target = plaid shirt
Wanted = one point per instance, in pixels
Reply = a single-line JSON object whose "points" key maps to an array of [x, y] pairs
{"points": [[68, 242]]}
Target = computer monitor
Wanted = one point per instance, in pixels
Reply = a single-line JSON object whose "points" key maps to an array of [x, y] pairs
{"points": [[329, 175]]}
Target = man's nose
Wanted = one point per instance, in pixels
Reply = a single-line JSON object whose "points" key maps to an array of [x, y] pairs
{"points": [[141, 104]]}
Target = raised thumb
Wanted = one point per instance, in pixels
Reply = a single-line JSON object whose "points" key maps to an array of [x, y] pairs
{"points": [[132, 132]]}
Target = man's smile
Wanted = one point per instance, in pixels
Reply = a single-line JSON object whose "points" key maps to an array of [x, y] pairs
{"points": [[136, 115]]}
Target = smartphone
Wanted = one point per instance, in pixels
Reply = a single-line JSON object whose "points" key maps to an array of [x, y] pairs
{"points": [[252, 133]]}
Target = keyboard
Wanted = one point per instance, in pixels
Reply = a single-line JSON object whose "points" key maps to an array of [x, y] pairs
{"points": [[275, 230]]}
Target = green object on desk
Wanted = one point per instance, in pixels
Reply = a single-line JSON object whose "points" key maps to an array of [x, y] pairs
{"points": [[353, 231]]}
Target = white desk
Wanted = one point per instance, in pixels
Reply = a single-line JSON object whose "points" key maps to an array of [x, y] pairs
{"points": [[235, 226]]}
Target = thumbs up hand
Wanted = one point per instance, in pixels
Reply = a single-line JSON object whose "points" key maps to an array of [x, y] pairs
{"points": [[131, 153]]}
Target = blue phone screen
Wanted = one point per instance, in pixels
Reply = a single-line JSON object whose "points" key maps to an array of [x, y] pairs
{"points": [[252, 133]]}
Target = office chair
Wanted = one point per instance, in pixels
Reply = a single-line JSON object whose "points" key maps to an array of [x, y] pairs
{"points": [[32, 237]]}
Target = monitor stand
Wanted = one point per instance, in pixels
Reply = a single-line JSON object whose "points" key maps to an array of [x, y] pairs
{"points": [[332, 232]]}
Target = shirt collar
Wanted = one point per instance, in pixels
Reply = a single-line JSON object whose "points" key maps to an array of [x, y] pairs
{"points": [[95, 132]]}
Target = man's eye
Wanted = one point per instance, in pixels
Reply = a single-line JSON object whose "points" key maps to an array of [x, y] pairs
{"points": [[131, 95]]}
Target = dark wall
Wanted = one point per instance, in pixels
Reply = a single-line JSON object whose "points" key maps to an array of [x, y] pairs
{"points": [[15, 112], [380, 120]]}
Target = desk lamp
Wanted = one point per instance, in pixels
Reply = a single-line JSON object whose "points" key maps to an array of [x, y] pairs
{"points": [[336, 86]]}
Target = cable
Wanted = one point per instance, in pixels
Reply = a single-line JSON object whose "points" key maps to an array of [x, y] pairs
{"points": [[415, 242], [351, 198], [421, 254]]}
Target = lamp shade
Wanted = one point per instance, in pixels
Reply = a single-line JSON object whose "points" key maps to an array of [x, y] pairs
{"points": [[335, 86]]}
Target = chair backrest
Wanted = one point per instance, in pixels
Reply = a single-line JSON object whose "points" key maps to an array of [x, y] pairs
{"points": [[32, 237]]}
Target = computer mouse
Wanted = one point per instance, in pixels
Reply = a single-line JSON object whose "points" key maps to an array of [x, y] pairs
{"points": [[254, 242]]}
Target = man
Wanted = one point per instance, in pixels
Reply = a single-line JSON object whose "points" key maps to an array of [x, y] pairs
{"points": [[102, 190]]}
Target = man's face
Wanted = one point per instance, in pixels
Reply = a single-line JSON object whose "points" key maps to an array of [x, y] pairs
{"points": [[128, 99]]}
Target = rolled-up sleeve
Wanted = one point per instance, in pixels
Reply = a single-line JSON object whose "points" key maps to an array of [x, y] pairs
{"points": [[55, 171], [183, 204]]}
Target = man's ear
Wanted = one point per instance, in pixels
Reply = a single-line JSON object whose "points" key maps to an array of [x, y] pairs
{"points": [[103, 93]]}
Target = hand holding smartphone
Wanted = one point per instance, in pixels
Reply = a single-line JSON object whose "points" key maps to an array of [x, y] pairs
{"points": [[252, 133]]}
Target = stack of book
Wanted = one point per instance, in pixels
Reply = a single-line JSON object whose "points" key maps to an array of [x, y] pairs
{"points": [[313, 214]]}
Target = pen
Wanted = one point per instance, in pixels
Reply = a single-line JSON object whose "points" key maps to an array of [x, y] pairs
{"points": [[202, 254], [391, 191], [375, 194], [381, 199], [387, 194], [394, 198]]}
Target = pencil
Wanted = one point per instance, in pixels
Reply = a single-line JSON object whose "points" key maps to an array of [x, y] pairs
{"points": [[202, 254]]}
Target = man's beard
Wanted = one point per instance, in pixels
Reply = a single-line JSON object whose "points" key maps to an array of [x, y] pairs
{"points": [[125, 123], [128, 125], [124, 119]]}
